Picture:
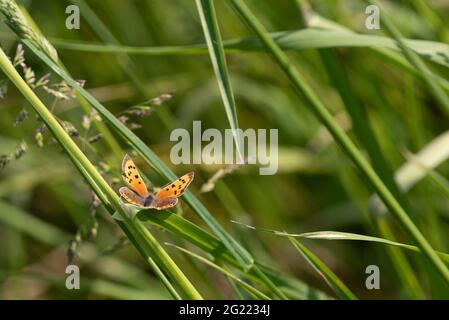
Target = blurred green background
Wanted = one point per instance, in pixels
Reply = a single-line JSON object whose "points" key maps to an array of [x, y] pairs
{"points": [[44, 202]]}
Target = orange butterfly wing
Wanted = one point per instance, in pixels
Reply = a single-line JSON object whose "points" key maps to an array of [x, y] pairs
{"points": [[176, 188], [138, 195], [131, 197], [132, 177]]}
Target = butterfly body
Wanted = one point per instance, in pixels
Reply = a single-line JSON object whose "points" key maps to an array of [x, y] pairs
{"points": [[148, 201], [138, 194]]}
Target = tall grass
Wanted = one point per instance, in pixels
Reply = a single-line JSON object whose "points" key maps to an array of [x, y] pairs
{"points": [[341, 138], [373, 101], [146, 153], [141, 237]]}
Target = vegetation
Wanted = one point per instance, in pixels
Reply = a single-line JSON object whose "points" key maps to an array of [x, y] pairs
{"points": [[361, 115]]}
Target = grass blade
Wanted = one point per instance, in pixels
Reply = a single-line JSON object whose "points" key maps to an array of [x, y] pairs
{"points": [[415, 60], [210, 244], [203, 240], [253, 291], [316, 21], [336, 235], [211, 32], [309, 38], [331, 279]]}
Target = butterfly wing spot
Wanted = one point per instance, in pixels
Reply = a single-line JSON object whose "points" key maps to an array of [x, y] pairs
{"points": [[175, 189]]}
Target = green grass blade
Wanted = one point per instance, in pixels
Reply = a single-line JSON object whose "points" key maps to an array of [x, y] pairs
{"points": [[211, 32], [415, 60], [312, 38], [341, 137], [336, 235], [433, 18], [210, 244], [197, 236], [309, 38], [331, 278], [316, 21], [164, 259], [73, 45], [253, 291]]}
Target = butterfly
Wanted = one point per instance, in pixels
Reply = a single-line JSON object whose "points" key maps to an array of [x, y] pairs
{"points": [[138, 194]]}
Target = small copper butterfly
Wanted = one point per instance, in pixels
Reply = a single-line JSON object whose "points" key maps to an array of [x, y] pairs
{"points": [[138, 194]]}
